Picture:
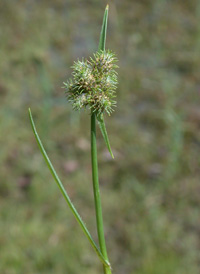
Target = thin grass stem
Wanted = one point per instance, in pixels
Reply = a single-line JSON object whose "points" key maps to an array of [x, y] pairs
{"points": [[97, 198]]}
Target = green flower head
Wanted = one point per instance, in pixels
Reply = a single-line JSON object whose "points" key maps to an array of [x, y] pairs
{"points": [[94, 83]]}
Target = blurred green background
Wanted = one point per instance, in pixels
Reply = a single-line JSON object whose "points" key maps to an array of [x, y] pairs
{"points": [[151, 191]]}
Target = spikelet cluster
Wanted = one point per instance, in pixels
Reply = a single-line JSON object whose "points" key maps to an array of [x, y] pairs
{"points": [[93, 83]]}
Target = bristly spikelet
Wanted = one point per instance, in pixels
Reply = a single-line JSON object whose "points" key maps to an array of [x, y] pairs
{"points": [[94, 83]]}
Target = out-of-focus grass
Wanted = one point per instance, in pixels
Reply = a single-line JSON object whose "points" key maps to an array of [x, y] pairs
{"points": [[154, 131]]}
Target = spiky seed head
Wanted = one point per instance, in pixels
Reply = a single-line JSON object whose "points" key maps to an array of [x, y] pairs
{"points": [[94, 83]]}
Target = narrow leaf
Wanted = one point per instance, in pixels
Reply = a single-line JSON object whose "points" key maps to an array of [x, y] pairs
{"points": [[64, 193], [102, 126], [102, 41], [102, 44]]}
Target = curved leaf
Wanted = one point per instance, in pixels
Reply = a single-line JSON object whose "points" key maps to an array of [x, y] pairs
{"points": [[64, 193]]}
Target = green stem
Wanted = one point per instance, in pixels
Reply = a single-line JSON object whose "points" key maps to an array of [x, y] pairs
{"points": [[97, 198]]}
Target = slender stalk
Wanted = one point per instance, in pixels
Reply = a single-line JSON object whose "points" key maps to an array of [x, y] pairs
{"points": [[97, 198]]}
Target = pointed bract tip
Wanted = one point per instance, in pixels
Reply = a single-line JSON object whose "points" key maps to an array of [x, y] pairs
{"points": [[107, 7]]}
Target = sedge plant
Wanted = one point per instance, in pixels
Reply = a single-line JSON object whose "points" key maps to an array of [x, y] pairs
{"points": [[92, 87]]}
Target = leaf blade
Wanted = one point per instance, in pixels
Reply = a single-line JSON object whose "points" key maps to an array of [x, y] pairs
{"points": [[102, 126], [102, 40], [64, 193], [102, 44]]}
